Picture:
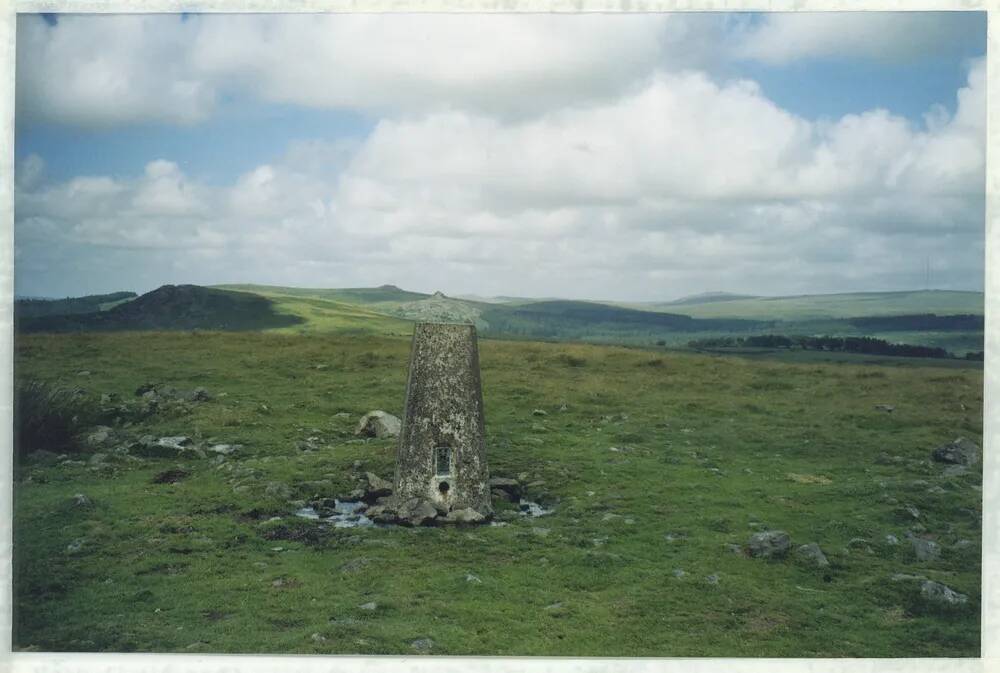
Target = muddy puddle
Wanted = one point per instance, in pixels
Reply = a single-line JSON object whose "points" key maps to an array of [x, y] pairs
{"points": [[345, 515]]}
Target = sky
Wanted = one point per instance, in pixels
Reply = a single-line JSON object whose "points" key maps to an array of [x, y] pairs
{"points": [[638, 157]]}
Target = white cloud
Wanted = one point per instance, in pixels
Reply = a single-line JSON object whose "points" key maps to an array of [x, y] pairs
{"points": [[784, 37], [103, 70], [107, 70], [683, 185]]}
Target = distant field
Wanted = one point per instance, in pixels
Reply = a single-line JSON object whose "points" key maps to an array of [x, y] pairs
{"points": [[364, 295], [654, 464], [324, 314], [813, 307]]}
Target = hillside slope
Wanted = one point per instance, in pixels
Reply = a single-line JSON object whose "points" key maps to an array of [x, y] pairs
{"points": [[172, 307], [818, 306], [351, 295]]}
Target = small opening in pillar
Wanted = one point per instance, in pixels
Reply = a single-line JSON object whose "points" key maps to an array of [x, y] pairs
{"points": [[443, 460], [443, 487]]}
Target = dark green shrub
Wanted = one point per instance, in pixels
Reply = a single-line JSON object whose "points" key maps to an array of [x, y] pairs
{"points": [[50, 418]]}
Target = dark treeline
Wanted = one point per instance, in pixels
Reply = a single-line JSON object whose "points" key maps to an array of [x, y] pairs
{"points": [[921, 322], [848, 344], [33, 308]]}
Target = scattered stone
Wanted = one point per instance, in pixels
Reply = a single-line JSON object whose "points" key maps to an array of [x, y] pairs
{"points": [[224, 449], [954, 471], [178, 442], [376, 488], [370, 607], [422, 644], [888, 408], [473, 579], [735, 549], [80, 500], [464, 515], [891, 539], [936, 490], [678, 573], [100, 436], [935, 592], [414, 512], [712, 579], [912, 511], [74, 546], [199, 395], [357, 465], [378, 424], [925, 550], [553, 606], [502, 495], [539, 412], [83, 373], [318, 638], [812, 554], [959, 452], [769, 544], [511, 487], [962, 544]]}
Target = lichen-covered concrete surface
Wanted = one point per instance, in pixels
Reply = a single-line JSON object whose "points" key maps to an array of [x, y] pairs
{"points": [[444, 409]]}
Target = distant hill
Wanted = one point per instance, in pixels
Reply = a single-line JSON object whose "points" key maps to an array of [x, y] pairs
{"points": [[171, 307], [33, 308], [351, 295], [708, 297], [441, 308], [821, 306], [580, 319]]}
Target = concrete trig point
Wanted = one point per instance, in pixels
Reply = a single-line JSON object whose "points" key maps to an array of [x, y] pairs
{"points": [[442, 448]]}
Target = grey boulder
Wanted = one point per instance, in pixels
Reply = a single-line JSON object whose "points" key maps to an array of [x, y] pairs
{"points": [[378, 424], [811, 553], [769, 544], [935, 592], [959, 452]]}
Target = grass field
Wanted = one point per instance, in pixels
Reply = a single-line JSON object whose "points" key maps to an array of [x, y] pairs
{"points": [[710, 450]]}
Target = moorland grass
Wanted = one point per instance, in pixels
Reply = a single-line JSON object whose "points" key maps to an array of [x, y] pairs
{"points": [[710, 450]]}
